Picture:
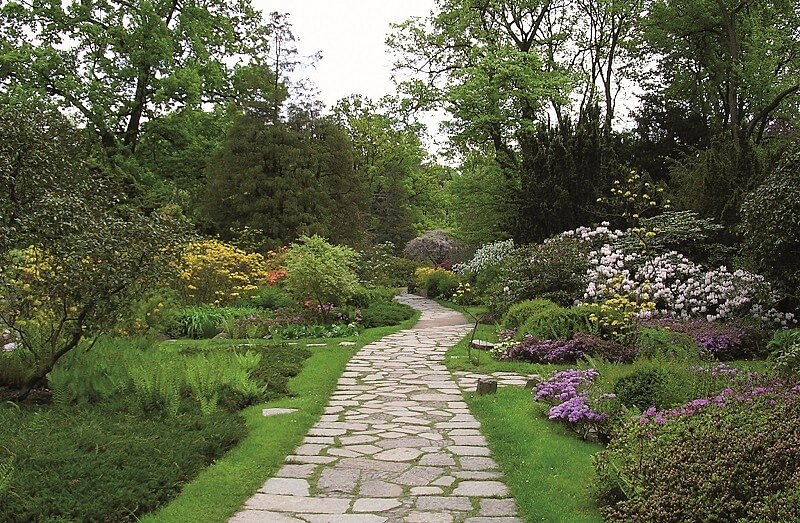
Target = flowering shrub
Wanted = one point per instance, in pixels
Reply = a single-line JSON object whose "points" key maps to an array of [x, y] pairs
{"points": [[214, 272], [633, 198], [724, 341], [616, 317], [569, 350], [681, 288], [487, 255], [569, 394], [734, 456]]}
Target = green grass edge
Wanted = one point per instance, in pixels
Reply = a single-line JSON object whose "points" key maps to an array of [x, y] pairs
{"points": [[221, 489], [549, 472]]}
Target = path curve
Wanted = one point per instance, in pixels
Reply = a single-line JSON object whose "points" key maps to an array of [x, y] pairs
{"points": [[396, 443]]}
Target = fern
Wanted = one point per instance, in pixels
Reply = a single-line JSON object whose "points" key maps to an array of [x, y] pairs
{"points": [[6, 473]]}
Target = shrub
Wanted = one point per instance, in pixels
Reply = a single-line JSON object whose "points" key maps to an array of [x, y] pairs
{"points": [[213, 272], [436, 247], [770, 226], [365, 296], [570, 350], [519, 313], [158, 312], [554, 323], [554, 270], [681, 288], [79, 464], [785, 347], [702, 465], [644, 388], [268, 297], [385, 313], [724, 341], [379, 266], [321, 272], [435, 283], [488, 256]]}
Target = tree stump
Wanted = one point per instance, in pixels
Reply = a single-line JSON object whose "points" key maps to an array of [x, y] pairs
{"points": [[486, 386]]}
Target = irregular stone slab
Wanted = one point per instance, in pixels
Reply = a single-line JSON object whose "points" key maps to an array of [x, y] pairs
{"points": [[344, 518], [288, 486], [446, 503], [477, 463], [465, 450], [380, 489], [418, 476], [263, 516], [426, 491], [375, 504], [338, 480], [498, 507], [429, 517], [485, 489], [297, 504], [276, 412], [398, 454], [297, 471]]}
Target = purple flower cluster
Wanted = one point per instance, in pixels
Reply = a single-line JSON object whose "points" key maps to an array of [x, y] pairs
{"points": [[576, 410], [565, 385], [727, 396], [567, 350], [545, 351], [568, 391], [721, 340]]}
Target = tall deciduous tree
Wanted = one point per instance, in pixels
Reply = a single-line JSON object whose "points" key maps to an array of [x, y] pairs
{"points": [[118, 64], [734, 64]]}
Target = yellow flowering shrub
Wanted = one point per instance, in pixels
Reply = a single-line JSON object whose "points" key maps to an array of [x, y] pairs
{"points": [[215, 272], [616, 318]]}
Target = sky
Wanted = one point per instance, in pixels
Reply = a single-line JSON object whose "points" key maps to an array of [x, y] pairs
{"points": [[351, 36]]}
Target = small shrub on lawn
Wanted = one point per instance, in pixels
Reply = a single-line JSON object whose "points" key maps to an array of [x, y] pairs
{"points": [[382, 314], [554, 323], [723, 341], [365, 296], [321, 272], [435, 282], [111, 466], [518, 314], [733, 457], [269, 297], [785, 347]]}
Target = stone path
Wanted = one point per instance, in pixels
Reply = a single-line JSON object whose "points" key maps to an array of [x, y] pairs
{"points": [[396, 443]]}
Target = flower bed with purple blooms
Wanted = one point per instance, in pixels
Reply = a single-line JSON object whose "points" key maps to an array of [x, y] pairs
{"points": [[723, 341], [568, 392], [570, 350]]}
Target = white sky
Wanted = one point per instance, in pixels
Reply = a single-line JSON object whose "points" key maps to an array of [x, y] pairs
{"points": [[351, 35]]}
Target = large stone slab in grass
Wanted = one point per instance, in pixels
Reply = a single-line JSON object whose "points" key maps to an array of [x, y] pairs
{"points": [[276, 412]]}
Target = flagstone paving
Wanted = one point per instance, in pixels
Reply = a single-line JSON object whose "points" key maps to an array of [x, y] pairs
{"points": [[396, 443]]}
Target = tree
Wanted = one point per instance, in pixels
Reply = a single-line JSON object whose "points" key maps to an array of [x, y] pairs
{"points": [[319, 271], [284, 180], [735, 64], [72, 255], [118, 64], [388, 156]]}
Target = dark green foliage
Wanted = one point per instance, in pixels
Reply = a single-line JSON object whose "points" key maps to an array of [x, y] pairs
{"points": [[785, 347], [205, 321], [440, 284], [734, 463], [365, 296], [644, 388], [269, 297], [287, 179], [771, 227], [385, 313], [558, 322], [519, 313], [80, 464], [664, 343], [554, 270], [564, 170]]}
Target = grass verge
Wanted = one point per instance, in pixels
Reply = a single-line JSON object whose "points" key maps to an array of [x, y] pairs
{"points": [[218, 492], [548, 470]]}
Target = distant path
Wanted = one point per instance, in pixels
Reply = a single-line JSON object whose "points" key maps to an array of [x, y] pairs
{"points": [[396, 444]]}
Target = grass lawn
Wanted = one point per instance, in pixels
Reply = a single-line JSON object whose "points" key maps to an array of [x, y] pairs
{"points": [[548, 470], [218, 492]]}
